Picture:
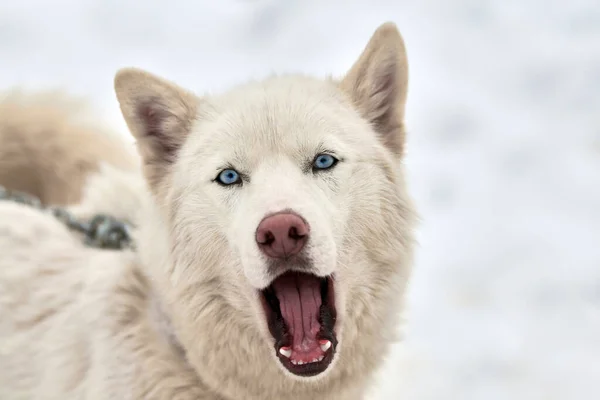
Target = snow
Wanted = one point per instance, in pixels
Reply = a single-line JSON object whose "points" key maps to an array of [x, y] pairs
{"points": [[504, 156]]}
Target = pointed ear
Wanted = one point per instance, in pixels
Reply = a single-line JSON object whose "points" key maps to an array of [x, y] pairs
{"points": [[159, 115], [377, 85]]}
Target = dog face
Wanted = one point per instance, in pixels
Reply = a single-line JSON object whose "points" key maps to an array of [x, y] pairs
{"points": [[283, 206]]}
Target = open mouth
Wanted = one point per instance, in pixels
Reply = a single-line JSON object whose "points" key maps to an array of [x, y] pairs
{"points": [[300, 312]]}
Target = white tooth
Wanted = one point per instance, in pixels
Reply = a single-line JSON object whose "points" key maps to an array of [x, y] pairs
{"points": [[326, 345], [300, 362], [294, 362], [321, 358], [315, 360], [286, 352]]}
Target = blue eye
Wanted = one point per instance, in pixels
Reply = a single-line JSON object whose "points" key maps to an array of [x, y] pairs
{"points": [[324, 161], [228, 177]]}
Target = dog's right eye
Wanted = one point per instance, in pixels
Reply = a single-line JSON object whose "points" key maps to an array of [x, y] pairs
{"points": [[229, 177], [324, 162]]}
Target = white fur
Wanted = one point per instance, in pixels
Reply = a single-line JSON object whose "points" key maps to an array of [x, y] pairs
{"points": [[181, 318]]}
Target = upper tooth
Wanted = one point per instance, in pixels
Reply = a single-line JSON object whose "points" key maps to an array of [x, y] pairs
{"points": [[325, 345], [285, 351]]}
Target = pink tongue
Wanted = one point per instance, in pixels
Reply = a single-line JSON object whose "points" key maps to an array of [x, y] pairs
{"points": [[300, 300]]}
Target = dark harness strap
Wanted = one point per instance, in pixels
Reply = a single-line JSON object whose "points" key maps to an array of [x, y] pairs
{"points": [[102, 231]]}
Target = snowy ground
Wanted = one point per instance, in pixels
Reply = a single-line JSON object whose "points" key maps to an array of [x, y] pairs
{"points": [[504, 117]]}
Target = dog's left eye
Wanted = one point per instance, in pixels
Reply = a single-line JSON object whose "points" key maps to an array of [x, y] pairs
{"points": [[228, 177], [324, 161]]}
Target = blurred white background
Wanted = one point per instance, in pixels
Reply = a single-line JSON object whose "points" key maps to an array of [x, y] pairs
{"points": [[504, 156]]}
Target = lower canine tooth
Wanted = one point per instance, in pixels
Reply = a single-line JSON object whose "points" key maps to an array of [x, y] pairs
{"points": [[325, 344], [285, 351]]}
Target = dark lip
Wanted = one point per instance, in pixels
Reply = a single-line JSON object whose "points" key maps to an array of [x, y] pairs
{"points": [[311, 369], [278, 329]]}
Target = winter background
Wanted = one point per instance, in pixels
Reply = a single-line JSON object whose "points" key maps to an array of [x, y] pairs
{"points": [[503, 156]]}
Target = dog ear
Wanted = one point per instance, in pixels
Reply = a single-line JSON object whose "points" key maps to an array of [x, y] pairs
{"points": [[377, 84], [159, 115]]}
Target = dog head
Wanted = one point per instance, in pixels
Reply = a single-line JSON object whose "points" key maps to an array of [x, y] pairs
{"points": [[280, 219]]}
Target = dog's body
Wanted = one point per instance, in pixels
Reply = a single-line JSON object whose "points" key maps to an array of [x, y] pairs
{"points": [[49, 146], [203, 309]]}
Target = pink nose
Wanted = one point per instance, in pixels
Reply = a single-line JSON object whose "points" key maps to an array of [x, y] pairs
{"points": [[282, 235]]}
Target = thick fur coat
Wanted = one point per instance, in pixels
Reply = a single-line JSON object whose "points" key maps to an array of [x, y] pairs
{"points": [[50, 145], [181, 318]]}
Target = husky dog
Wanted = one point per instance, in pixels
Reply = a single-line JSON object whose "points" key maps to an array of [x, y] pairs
{"points": [[274, 243]]}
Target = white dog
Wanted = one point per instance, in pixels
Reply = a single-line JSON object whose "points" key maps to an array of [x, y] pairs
{"points": [[274, 243]]}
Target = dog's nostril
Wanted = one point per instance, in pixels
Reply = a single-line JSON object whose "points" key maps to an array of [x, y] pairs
{"points": [[268, 238], [293, 234]]}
